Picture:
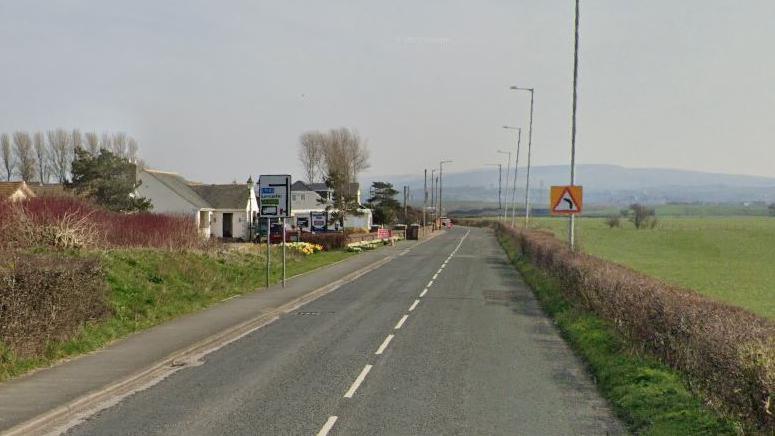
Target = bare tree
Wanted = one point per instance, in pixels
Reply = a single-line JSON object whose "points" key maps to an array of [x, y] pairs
{"points": [[344, 156], [77, 139], [7, 154], [41, 153], [92, 143], [25, 157], [311, 154], [120, 144], [106, 143], [60, 144], [132, 149]]}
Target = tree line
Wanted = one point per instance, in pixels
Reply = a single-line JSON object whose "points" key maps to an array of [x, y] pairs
{"points": [[42, 157]]}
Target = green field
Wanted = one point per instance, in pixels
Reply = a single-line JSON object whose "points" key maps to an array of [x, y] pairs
{"points": [[730, 259]]}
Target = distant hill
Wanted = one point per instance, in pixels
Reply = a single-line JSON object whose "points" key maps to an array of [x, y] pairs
{"points": [[603, 185]]}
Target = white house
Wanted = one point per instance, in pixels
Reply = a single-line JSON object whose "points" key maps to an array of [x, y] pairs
{"points": [[308, 198], [222, 211]]}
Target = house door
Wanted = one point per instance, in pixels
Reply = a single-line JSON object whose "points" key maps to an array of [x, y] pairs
{"points": [[227, 223]]}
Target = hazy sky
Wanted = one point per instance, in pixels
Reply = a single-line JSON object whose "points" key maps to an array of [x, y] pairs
{"points": [[221, 90]]}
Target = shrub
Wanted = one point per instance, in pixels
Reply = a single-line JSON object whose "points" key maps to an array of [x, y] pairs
{"points": [[47, 298], [728, 353], [643, 216], [613, 221], [69, 222], [329, 241]]}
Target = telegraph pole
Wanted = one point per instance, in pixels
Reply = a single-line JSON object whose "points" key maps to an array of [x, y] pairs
{"points": [[529, 150]]}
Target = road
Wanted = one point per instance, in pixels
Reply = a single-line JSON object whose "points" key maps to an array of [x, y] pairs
{"points": [[444, 339]]}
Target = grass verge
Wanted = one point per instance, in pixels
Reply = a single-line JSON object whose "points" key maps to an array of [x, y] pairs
{"points": [[148, 287], [649, 397]]}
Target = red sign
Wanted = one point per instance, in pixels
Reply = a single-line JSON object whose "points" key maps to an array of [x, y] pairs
{"points": [[383, 233]]}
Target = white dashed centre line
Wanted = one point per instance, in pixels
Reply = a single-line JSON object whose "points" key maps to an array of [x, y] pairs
{"points": [[430, 283], [327, 426], [416, 302], [357, 382], [401, 322], [424, 291], [435, 275], [384, 345]]}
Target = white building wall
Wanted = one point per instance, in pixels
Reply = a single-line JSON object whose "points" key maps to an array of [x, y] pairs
{"points": [[163, 199]]}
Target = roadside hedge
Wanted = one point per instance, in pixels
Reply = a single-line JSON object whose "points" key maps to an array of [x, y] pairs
{"points": [[329, 241], [727, 353], [47, 298]]}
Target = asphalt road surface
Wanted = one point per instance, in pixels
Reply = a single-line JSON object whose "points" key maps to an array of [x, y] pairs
{"points": [[445, 339]]}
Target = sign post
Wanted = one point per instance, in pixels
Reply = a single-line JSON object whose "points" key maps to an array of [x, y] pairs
{"points": [[274, 202]]}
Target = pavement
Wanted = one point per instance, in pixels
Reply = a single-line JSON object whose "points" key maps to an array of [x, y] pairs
{"points": [[54, 396], [445, 338]]}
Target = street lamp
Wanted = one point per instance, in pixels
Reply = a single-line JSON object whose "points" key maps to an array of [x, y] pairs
{"points": [[441, 169], [508, 171], [500, 171], [529, 150], [572, 224], [516, 172]]}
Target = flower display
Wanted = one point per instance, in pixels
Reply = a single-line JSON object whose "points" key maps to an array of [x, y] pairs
{"points": [[304, 248]]}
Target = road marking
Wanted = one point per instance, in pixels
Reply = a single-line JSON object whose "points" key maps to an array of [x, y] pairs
{"points": [[327, 426], [424, 291], [358, 381], [384, 344], [401, 322], [435, 275], [430, 283], [416, 302]]}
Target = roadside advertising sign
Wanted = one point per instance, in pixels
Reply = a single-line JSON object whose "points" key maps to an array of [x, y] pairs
{"points": [[274, 196], [318, 221]]}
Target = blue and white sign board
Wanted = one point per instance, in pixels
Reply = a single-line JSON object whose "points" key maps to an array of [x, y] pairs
{"points": [[274, 196]]}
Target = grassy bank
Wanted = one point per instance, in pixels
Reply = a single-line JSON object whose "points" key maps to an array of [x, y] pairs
{"points": [[648, 396], [727, 259], [148, 287]]}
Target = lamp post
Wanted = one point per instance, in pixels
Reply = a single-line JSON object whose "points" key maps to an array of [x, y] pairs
{"points": [[529, 150], [500, 170], [441, 170], [433, 193], [516, 172], [508, 171]]}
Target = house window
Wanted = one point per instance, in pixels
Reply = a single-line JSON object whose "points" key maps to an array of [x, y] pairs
{"points": [[293, 197], [303, 197]]}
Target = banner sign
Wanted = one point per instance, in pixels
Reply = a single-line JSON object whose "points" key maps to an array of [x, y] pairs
{"points": [[318, 221]]}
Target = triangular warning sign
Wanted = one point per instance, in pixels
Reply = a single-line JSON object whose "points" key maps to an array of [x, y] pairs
{"points": [[566, 203]]}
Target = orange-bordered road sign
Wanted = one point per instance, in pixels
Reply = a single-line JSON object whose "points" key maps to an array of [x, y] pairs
{"points": [[566, 200]]}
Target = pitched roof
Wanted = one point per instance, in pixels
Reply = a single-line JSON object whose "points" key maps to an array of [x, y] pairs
{"points": [[180, 186], [7, 189], [300, 186], [354, 187], [232, 196], [48, 189]]}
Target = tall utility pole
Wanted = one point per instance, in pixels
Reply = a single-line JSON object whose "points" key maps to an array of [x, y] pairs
{"points": [[572, 225], [425, 196], [433, 191], [500, 177], [405, 195], [441, 180], [516, 172], [529, 150], [508, 170]]}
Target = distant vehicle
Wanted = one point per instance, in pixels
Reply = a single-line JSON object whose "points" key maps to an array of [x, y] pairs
{"points": [[446, 222]]}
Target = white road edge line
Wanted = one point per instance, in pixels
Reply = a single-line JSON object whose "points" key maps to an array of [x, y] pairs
{"points": [[424, 291], [357, 382], [416, 302], [401, 322], [328, 426], [384, 345]]}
